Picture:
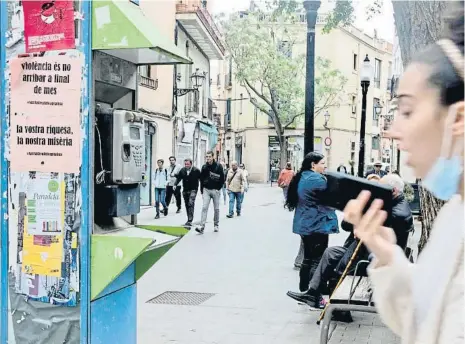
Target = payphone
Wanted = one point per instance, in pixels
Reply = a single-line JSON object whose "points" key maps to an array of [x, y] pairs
{"points": [[120, 160], [123, 145]]}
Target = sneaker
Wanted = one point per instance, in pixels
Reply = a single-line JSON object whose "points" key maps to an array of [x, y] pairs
{"points": [[157, 216], [165, 211], [216, 229], [188, 224], [229, 216], [307, 297], [199, 230], [178, 211], [238, 214]]}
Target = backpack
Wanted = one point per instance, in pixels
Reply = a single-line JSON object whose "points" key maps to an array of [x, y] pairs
{"points": [[166, 173]]}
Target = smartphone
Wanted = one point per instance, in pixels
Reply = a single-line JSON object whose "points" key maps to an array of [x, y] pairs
{"points": [[343, 187]]}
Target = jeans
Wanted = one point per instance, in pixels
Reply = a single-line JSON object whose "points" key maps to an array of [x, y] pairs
{"points": [[160, 195], [285, 192], [325, 269], [189, 201], [224, 192], [235, 196], [170, 190], [207, 196]]}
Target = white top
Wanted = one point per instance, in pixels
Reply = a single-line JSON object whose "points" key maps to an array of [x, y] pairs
{"points": [[160, 178], [423, 303]]}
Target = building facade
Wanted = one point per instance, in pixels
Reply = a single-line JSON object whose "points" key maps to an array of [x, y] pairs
{"points": [[178, 104], [247, 135]]}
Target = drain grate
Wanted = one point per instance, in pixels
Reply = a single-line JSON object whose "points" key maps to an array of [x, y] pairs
{"points": [[181, 298]]}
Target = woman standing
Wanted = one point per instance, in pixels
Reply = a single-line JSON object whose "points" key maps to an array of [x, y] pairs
{"points": [[424, 302], [312, 221], [285, 178]]}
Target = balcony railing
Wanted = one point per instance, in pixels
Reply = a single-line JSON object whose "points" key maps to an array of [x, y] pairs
{"points": [[148, 82], [205, 18]]}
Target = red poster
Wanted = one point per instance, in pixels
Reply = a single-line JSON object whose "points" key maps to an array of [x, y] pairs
{"points": [[48, 25]]}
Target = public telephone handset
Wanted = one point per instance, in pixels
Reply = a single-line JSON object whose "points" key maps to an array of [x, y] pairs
{"points": [[124, 143]]}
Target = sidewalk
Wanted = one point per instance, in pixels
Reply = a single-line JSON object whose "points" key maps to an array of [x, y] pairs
{"points": [[245, 270]]}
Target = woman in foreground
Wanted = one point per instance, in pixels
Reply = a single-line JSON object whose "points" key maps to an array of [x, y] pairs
{"points": [[423, 303], [312, 221]]}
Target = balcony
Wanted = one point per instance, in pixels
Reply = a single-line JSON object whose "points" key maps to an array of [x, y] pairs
{"points": [[148, 82], [199, 24]]}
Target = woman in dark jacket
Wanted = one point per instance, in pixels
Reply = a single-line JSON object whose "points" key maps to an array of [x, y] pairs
{"points": [[312, 221]]}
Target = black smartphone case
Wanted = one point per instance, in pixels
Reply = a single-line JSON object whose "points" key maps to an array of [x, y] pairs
{"points": [[343, 187]]}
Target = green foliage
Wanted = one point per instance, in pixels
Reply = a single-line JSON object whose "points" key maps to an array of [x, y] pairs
{"points": [[343, 14], [269, 59]]}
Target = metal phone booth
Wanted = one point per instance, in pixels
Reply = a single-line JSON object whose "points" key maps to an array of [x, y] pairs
{"points": [[61, 279]]}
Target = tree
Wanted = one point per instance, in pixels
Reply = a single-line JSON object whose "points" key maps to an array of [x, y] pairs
{"points": [[416, 26], [261, 44]]}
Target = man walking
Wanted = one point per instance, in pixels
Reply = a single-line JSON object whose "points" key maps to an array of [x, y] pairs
{"points": [[235, 182], [160, 178], [190, 176], [211, 182], [170, 188]]}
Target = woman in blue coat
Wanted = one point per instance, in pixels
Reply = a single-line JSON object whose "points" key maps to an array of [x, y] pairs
{"points": [[312, 220]]}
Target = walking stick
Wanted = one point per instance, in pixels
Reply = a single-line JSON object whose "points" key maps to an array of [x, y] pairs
{"points": [[344, 274]]}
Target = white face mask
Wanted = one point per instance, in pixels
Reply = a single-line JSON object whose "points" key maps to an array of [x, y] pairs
{"points": [[443, 179]]}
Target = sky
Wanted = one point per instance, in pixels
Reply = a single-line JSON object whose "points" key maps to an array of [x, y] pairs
{"points": [[383, 23]]}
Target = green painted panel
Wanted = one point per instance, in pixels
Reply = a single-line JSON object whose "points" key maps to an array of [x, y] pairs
{"points": [[122, 28], [110, 256], [114, 29], [147, 259], [177, 231]]}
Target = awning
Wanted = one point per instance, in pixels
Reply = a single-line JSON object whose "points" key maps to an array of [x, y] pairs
{"points": [[211, 132], [120, 29]]}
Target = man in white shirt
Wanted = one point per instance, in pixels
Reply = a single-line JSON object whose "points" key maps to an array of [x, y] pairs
{"points": [[171, 189], [160, 179]]}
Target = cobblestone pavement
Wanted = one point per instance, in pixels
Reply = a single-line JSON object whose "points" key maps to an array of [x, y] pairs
{"points": [[248, 267]]}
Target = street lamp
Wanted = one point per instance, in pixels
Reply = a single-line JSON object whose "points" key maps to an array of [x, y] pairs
{"points": [[311, 8], [198, 78], [327, 116], [366, 74]]}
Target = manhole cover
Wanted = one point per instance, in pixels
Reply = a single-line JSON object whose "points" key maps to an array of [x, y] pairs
{"points": [[181, 298]]}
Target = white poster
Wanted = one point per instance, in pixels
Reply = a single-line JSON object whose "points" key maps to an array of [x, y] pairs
{"points": [[44, 204]]}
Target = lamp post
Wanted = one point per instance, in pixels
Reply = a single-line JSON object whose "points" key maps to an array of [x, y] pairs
{"points": [[311, 8], [327, 116], [366, 74]]}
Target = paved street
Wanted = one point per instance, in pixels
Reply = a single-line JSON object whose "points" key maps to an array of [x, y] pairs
{"points": [[248, 266]]}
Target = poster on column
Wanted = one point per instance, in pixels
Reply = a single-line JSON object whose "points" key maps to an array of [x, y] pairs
{"points": [[48, 25], [45, 114]]}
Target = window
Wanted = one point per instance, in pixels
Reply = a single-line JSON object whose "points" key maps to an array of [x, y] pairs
{"points": [[375, 115], [352, 156], [375, 143], [270, 119], [145, 71], [352, 145], [354, 105], [355, 61], [377, 73], [228, 110], [285, 48]]}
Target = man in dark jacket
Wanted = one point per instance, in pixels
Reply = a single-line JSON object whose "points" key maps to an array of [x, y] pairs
{"points": [[377, 170], [336, 258], [211, 182], [190, 176]]}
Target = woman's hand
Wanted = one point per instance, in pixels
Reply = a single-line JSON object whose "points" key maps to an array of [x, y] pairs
{"points": [[369, 228]]}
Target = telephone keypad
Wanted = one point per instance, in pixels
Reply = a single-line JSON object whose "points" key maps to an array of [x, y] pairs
{"points": [[137, 154]]}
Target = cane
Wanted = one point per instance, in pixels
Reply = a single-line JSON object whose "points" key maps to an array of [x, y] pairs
{"points": [[344, 274]]}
